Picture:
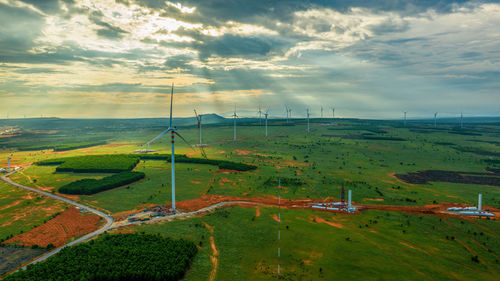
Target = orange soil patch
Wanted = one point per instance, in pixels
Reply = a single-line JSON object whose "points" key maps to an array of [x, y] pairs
{"points": [[196, 182], [413, 247], [241, 151], [220, 151], [393, 175], [211, 199], [241, 179], [321, 220], [275, 217], [225, 171], [59, 229], [257, 212], [452, 196], [373, 199], [122, 215], [11, 205], [197, 169], [114, 144], [225, 180]]}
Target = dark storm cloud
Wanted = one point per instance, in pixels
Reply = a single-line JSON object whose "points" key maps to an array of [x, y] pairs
{"points": [[19, 28]]}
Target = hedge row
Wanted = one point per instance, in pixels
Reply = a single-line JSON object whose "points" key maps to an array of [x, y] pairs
{"points": [[92, 186], [222, 164], [94, 163], [115, 163]]}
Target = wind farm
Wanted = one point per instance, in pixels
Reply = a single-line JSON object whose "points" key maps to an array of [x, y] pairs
{"points": [[249, 140]]}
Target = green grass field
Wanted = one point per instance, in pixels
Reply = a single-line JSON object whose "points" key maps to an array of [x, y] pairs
{"points": [[320, 161], [373, 245]]}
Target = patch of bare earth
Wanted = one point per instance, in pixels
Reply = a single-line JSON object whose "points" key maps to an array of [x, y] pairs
{"points": [[58, 230]]}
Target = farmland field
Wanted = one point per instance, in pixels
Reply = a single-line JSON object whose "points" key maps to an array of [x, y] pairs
{"points": [[21, 210], [321, 246], [383, 163]]}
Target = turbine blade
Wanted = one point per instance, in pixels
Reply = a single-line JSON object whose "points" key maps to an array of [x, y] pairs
{"points": [[171, 103], [157, 137], [182, 138]]}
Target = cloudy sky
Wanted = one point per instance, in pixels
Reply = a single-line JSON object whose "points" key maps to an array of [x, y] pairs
{"points": [[369, 59]]}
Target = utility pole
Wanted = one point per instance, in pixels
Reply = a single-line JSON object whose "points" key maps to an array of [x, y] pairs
{"points": [[279, 223]]}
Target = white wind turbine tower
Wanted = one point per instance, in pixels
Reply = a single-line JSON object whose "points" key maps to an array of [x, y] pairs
{"points": [[234, 118], [435, 119], [308, 128], [404, 119], [461, 120], [321, 112], [173, 132], [198, 118], [290, 113], [265, 114], [333, 112], [286, 112]]}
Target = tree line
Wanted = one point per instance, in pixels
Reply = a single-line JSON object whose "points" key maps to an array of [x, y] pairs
{"points": [[116, 257]]}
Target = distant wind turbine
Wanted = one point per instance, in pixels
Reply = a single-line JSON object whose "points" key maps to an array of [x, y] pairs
{"points": [[266, 114], [198, 118], [234, 118], [308, 128], [404, 119], [461, 120], [321, 112], [435, 119], [333, 112], [287, 113], [260, 116]]}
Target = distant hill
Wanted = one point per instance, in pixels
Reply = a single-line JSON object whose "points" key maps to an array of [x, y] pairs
{"points": [[64, 124]]}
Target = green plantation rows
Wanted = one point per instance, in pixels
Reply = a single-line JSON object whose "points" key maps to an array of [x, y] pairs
{"points": [[222, 164], [61, 147], [116, 257], [94, 163], [126, 162], [92, 186]]}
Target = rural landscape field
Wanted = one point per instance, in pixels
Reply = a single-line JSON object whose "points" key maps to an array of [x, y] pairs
{"points": [[400, 230], [156, 140]]}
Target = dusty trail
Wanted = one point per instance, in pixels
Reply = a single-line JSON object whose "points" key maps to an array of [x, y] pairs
{"points": [[214, 256]]}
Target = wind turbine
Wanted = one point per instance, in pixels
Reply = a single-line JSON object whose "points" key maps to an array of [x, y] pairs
{"points": [[234, 118], [286, 112], [404, 119], [435, 117], [173, 132], [260, 116], [198, 117], [290, 113], [333, 112], [321, 112], [461, 120], [308, 128], [265, 114]]}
